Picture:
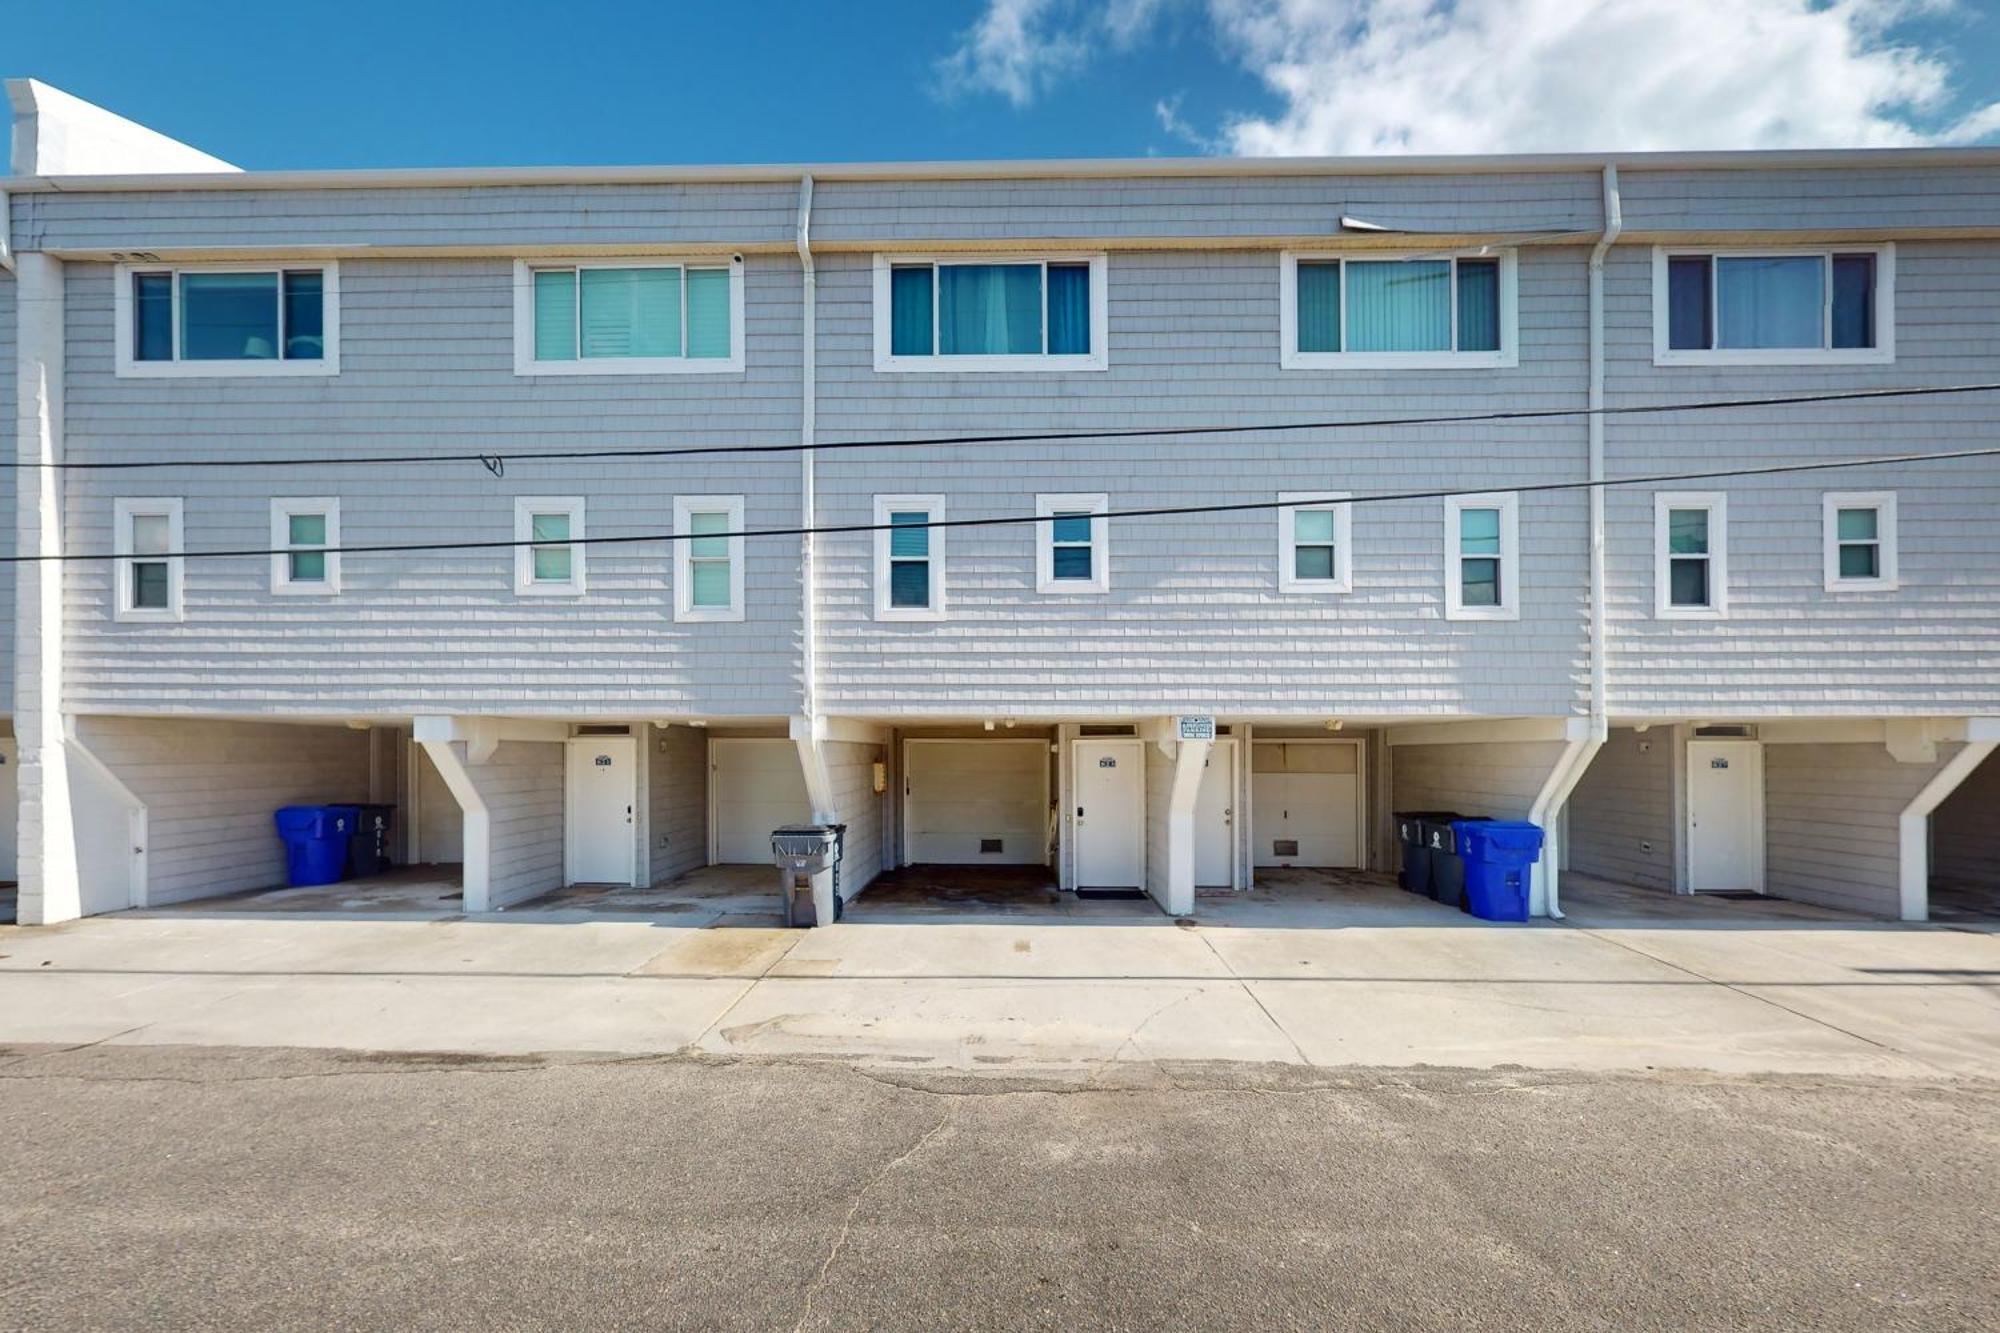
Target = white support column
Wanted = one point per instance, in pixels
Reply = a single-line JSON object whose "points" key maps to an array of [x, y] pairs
{"points": [[51, 889], [809, 734], [476, 823], [1914, 831], [1190, 759]]}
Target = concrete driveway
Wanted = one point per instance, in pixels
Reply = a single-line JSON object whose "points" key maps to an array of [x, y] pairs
{"points": [[1387, 981]]}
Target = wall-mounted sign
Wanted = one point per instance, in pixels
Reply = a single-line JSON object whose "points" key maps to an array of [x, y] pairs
{"points": [[1197, 728], [1718, 763], [604, 761], [1107, 762]]}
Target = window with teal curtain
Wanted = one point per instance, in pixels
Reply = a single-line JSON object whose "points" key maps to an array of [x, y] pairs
{"points": [[1313, 555], [1319, 306], [1770, 301], [1688, 557], [1069, 310], [555, 314], [1069, 537], [305, 315], [708, 560], [708, 312], [229, 316], [1478, 305], [989, 309], [910, 310], [626, 312], [552, 564], [1858, 534], [306, 530], [153, 317], [1399, 305]]}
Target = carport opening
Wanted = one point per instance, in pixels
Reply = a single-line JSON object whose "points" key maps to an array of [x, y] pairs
{"points": [[1965, 848]]}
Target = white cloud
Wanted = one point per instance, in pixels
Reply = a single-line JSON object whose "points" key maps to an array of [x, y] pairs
{"points": [[1374, 76], [1463, 76]]}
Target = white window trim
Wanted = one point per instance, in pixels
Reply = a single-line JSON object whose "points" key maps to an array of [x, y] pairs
{"points": [[1882, 353], [884, 506], [1510, 557], [1717, 505], [1884, 505], [685, 508], [1343, 555], [524, 322], [1290, 358], [525, 508], [1098, 357], [1047, 506], [282, 510], [126, 366], [124, 511]]}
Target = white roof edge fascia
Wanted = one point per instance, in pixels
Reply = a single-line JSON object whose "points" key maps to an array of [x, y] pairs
{"points": [[1052, 169]]}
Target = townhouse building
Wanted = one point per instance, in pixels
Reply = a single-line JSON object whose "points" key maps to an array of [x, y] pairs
{"points": [[604, 519]]}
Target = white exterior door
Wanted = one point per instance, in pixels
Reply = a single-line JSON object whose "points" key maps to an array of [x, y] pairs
{"points": [[603, 791], [1725, 790], [1110, 816], [1305, 799], [1215, 819], [976, 802], [754, 787], [10, 795]]}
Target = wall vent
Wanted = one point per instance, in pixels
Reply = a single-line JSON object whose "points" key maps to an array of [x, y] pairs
{"points": [[601, 729], [1107, 729], [1285, 847], [991, 847], [1727, 732]]}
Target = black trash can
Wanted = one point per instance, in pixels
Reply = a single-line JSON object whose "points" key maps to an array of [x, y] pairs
{"points": [[368, 854], [1447, 866], [1415, 873]]}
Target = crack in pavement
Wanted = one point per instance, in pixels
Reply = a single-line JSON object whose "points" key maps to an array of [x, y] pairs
{"points": [[847, 1222]]}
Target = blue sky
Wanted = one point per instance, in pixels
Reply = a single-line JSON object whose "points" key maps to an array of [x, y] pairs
{"points": [[370, 83]]}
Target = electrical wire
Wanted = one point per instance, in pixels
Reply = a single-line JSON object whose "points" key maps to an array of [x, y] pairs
{"points": [[1009, 520], [496, 461]]}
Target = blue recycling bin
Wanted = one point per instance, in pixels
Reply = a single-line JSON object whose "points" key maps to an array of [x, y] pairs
{"points": [[1499, 856], [316, 838]]}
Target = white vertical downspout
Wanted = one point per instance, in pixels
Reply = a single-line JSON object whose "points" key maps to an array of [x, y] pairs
{"points": [[6, 231], [808, 429], [1576, 759]]}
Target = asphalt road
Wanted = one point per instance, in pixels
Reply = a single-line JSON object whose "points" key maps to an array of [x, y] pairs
{"points": [[181, 1188]]}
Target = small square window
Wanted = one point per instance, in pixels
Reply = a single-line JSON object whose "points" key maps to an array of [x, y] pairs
{"points": [[1071, 554], [1312, 542], [708, 557], [305, 535], [1690, 569], [1860, 541], [547, 558], [1482, 545], [147, 538], [909, 557]]}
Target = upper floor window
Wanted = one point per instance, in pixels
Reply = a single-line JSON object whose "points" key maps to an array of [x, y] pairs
{"points": [[1388, 313], [1774, 307], [547, 562], [305, 535], [1313, 554], [628, 316], [1071, 546], [1482, 557], [708, 560], [1690, 555], [1008, 313], [1860, 541], [226, 320], [147, 534], [909, 557]]}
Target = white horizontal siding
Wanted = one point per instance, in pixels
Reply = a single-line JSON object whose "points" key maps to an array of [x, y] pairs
{"points": [[851, 770], [211, 790], [1497, 780]]}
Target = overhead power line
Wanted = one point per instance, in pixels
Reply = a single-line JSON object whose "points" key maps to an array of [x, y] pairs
{"points": [[1014, 520], [496, 461]]}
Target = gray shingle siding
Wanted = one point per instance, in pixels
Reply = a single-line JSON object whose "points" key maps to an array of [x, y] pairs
{"points": [[1789, 646], [1831, 820], [427, 365], [9, 407], [1621, 815], [1194, 618]]}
